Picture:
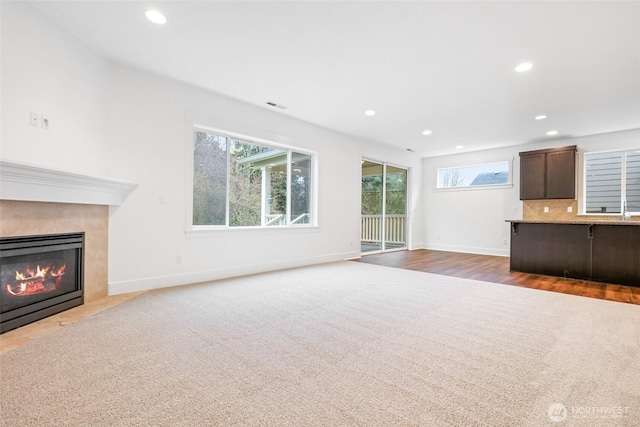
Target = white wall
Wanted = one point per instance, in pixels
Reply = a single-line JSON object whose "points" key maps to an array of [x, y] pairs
{"points": [[473, 221], [48, 71], [468, 220], [122, 123], [150, 119]]}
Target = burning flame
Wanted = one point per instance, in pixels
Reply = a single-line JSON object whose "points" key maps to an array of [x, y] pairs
{"points": [[38, 273], [36, 281]]}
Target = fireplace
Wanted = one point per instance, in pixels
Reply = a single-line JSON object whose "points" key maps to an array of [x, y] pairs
{"points": [[39, 276]]}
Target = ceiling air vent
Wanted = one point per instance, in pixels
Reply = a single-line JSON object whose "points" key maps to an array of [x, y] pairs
{"points": [[273, 104]]}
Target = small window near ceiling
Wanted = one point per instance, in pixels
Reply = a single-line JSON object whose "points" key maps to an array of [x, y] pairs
{"points": [[485, 175]]}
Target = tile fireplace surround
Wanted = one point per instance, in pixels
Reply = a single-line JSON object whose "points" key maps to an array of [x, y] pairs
{"points": [[38, 200], [25, 218]]}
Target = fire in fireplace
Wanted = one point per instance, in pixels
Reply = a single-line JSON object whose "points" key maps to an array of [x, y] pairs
{"points": [[40, 281], [39, 276]]}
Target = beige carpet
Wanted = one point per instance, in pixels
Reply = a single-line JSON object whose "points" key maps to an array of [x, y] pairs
{"points": [[342, 344]]}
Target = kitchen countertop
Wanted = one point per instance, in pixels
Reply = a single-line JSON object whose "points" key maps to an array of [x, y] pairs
{"points": [[576, 221]]}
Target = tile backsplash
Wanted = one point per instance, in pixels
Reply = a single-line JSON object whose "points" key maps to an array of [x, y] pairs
{"points": [[534, 210]]}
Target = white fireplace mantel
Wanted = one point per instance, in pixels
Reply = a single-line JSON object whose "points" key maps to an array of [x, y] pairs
{"points": [[20, 181]]}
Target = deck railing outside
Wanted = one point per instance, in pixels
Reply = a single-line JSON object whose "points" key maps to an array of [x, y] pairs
{"points": [[280, 219], [371, 225], [370, 229], [275, 220]]}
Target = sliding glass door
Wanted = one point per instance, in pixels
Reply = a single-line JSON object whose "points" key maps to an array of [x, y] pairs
{"points": [[383, 224], [395, 211], [371, 208]]}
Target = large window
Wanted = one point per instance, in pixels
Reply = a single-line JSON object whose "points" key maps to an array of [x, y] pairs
{"points": [[612, 181], [239, 183], [474, 176]]}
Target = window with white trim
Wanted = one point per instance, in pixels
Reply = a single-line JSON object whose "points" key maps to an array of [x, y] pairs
{"points": [[241, 183], [488, 174], [612, 182]]}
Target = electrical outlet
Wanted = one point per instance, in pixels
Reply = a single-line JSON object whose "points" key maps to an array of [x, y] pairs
{"points": [[504, 241], [178, 259], [546, 209], [569, 209], [35, 119]]}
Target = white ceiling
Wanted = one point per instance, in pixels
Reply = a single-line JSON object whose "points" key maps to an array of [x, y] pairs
{"points": [[444, 66]]}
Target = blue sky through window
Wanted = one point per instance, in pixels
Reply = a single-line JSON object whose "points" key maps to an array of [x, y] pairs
{"points": [[475, 175]]}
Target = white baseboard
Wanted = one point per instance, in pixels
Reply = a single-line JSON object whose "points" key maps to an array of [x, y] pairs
{"points": [[466, 249], [146, 284]]}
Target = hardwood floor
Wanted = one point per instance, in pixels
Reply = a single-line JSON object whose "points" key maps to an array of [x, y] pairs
{"points": [[496, 269]]}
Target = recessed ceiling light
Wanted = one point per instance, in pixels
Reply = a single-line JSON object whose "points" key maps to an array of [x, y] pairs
{"points": [[541, 117], [525, 66], [552, 132], [155, 16], [459, 147], [427, 132], [369, 113]]}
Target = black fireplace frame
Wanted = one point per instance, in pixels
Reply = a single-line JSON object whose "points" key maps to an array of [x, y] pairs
{"points": [[23, 245]]}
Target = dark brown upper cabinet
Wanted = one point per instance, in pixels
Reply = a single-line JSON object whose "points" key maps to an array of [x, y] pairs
{"points": [[548, 174]]}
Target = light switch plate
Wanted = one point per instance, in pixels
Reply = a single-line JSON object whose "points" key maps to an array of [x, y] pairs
{"points": [[34, 119]]}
